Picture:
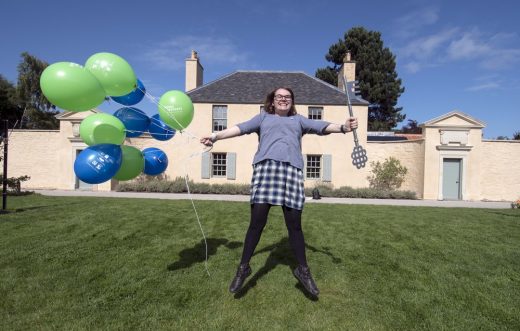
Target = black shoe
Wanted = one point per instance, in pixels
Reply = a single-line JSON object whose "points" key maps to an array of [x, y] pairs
{"points": [[244, 270], [303, 274]]}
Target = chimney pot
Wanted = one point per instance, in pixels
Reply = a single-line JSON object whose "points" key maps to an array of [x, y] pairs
{"points": [[194, 72], [347, 57]]}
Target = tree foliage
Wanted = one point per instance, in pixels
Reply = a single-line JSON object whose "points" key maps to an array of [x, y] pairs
{"points": [[388, 175], [39, 113], [411, 127], [375, 71], [516, 135], [9, 109]]}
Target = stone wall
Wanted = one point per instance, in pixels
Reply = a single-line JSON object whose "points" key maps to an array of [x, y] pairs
{"points": [[35, 153], [409, 153], [500, 166]]}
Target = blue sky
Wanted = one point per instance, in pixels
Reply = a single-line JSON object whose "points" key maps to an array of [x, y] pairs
{"points": [[451, 55]]}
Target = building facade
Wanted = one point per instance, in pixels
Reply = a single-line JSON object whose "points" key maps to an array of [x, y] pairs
{"points": [[450, 160]]}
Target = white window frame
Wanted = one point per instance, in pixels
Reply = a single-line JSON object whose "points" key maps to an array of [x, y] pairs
{"points": [[218, 165], [314, 169], [315, 113], [218, 118]]}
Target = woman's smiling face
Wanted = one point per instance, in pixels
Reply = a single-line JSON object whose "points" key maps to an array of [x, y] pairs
{"points": [[282, 102]]}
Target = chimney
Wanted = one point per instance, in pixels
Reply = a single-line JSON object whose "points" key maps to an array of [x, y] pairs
{"points": [[347, 70], [194, 72]]}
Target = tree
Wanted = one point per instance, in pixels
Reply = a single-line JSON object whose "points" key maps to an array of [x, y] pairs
{"points": [[375, 71], [39, 112], [9, 109], [411, 127], [516, 135]]}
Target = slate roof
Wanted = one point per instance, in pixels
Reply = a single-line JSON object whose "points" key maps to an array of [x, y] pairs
{"points": [[251, 87]]}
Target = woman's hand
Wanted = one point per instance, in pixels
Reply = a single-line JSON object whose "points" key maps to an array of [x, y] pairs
{"points": [[220, 135], [208, 140], [351, 123]]}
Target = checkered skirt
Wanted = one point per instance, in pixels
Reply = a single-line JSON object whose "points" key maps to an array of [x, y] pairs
{"points": [[277, 183]]}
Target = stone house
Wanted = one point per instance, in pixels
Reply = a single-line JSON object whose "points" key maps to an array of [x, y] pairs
{"points": [[450, 160]]}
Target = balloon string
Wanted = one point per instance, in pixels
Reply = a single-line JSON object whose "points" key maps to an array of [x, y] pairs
{"points": [[171, 116], [198, 219], [141, 132], [193, 203], [189, 135]]}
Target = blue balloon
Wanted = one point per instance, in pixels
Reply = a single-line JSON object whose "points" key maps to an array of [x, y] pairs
{"points": [[133, 97], [135, 120], [160, 130], [155, 161], [98, 163]]}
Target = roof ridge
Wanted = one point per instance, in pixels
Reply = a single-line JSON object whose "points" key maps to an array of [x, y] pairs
{"points": [[325, 83], [212, 82], [273, 71]]}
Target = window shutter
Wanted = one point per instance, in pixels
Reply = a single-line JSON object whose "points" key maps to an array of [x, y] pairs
{"points": [[205, 167], [327, 167], [231, 165]]}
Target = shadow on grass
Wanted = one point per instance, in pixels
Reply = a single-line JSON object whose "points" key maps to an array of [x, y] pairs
{"points": [[24, 209], [281, 253], [197, 253]]}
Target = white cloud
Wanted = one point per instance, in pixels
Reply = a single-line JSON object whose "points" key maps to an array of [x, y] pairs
{"points": [[412, 67], [489, 52], [467, 46], [409, 24], [501, 59], [171, 54], [425, 47], [484, 86]]}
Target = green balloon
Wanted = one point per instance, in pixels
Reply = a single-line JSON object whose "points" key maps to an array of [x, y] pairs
{"points": [[115, 74], [71, 87], [132, 164], [176, 109], [102, 129]]}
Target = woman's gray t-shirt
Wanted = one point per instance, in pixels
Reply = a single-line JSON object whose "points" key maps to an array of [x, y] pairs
{"points": [[281, 137]]}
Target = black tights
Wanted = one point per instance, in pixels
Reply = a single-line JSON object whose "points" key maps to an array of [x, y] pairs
{"points": [[293, 221]]}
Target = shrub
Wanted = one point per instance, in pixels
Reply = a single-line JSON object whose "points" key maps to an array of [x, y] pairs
{"points": [[388, 175], [203, 188], [178, 185], [14, 184]]}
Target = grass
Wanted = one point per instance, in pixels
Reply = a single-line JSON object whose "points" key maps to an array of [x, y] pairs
{"points": [[98, 263]]}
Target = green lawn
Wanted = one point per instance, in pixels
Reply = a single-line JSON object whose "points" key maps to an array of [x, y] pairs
{"points": [[97, 263]]}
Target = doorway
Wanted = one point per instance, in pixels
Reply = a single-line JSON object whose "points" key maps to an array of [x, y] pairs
{"points": [[81, 185], [451, 179]]}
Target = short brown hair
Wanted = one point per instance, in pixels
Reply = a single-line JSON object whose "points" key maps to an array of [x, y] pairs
{"points": [[269, 99]]}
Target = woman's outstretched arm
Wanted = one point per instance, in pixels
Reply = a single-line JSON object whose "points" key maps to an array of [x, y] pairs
{"points": [[219, 135], [350, 124]]}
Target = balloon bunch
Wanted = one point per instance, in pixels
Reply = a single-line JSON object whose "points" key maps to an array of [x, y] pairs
{"points": [[76, 88]]}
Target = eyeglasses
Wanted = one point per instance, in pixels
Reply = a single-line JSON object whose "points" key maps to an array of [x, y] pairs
{"points": [[283, 97]]}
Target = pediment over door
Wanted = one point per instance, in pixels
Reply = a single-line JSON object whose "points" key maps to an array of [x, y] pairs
{"points": [[72, 116], [70, 122], [455, 119], [454, 130]]}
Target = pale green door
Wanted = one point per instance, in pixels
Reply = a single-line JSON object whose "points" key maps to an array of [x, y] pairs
{"points": [[451, 179], [81, 185]]}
